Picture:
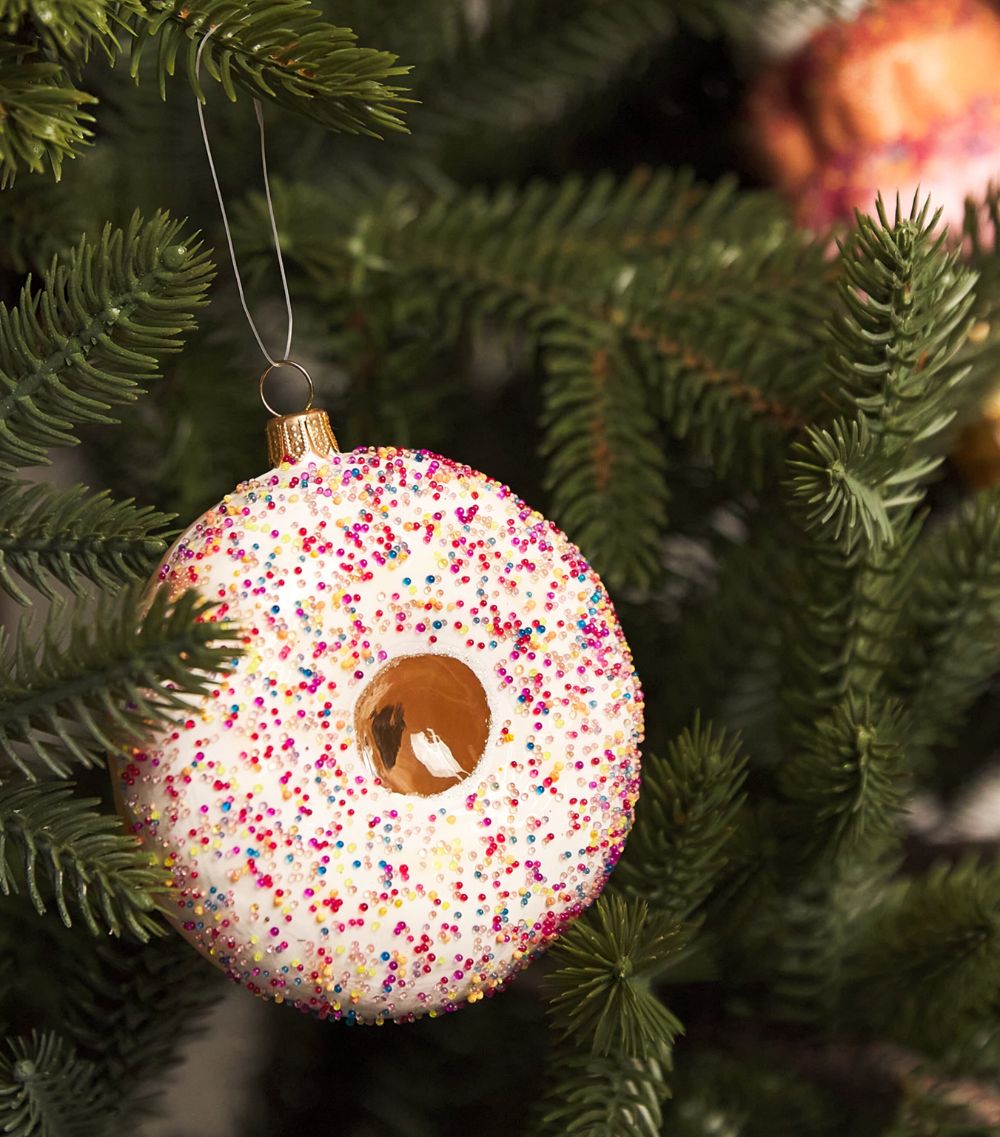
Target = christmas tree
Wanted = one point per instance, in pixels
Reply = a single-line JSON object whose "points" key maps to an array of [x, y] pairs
{"points": [[525, 234]]}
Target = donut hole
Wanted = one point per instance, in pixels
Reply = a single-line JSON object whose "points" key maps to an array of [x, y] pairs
{"points": [[422, 723]]}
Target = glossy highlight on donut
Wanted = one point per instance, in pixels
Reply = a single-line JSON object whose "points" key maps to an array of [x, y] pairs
{"points": [[404, 855]]}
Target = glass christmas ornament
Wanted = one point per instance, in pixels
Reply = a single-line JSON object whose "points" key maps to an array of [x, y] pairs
{"points": [[890, 96], [425, 763]]}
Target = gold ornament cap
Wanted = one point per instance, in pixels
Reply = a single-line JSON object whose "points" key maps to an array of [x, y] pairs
{"points": [[292, 437]]}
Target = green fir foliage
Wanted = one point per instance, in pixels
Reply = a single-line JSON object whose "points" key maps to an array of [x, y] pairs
{"points": [[837, 485], [606, 458], [131, 1007], [759, 1094], [42, 115], [54, 845], [686, 817], [47, 1091], [69, 27], [615, 1096], [36, 222], [981, 236], [905, 306], [283, 50], [925, 965], [74, 537], [76, 692], [575, 48], [601, 993], [951, 652], [804, 969], [93, 334], [844, 793], [932, 1113]]}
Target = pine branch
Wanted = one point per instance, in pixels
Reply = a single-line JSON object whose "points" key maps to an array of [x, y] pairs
{"points": [[745, 908], [601, 993], [979, 225], [845, 792], [510, 65], [29, 943], [739, 19], [283, 51], [907, 306], [42, 120], [535, 62], [384, 401], [847, 777], [951, 651], [639, 217], [82, 692], [755, 1091], [83, 857], [905, 315], [844, 785], [47, 1091], [607, 482], [840, 475], [555, 260], [805, 953], [37, 220], [429, 33], [790, 1086], [981, 238], [92, 336], [934, 1109], [981, 243], [926, 963], [684, 820], [133, 1007], [68, 28], [844, 637], [616, 1096], [74, 536], [721, 655]]}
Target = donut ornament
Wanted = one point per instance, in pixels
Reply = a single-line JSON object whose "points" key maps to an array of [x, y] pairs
{"points": [[425, 762]]}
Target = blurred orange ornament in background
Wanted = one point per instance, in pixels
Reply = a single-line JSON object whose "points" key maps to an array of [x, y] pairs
{"points": [[900, 96], [904, 95]]}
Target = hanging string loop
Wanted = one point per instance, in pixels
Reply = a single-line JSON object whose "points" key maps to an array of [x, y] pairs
{"points": [[283, 360]]}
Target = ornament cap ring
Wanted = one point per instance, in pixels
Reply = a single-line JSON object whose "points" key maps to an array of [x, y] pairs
{"points": [[285, 363]]}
